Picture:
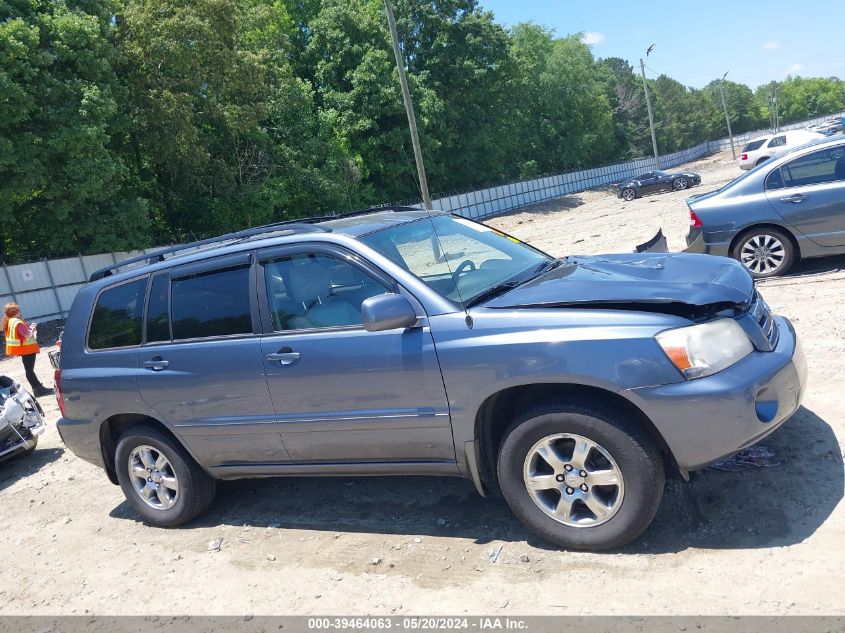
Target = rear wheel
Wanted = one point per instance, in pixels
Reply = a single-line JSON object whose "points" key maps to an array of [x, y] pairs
{"points": [[628, 194], [679, 184], [761, 161], [764, 252], [582, 476], [160, 479]]}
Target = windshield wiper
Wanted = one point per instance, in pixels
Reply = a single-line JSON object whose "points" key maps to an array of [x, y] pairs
{"points": [[496, 290], [548, 265], [493, 291]]}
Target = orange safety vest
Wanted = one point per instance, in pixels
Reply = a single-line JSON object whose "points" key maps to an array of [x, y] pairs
{"points": [[16, 347]]}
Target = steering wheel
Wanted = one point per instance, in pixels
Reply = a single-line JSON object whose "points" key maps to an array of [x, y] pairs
{"points": [[461, 269]]}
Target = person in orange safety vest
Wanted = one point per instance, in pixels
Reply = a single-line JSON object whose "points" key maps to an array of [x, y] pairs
{"points": [[20, 341]]}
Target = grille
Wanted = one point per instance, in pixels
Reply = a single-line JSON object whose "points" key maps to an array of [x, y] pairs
{"points": [[762, 315]]}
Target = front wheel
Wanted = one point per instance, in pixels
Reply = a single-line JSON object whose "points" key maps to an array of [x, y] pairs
{"points": [[764, 252], [582, 476], [628, 194], [160, 479], [679, 184]]}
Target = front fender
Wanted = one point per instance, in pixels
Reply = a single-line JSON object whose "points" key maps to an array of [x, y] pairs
{"points": [[605, 349]]}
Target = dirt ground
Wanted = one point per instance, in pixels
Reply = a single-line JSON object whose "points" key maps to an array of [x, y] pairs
{"points": [[769, 539]]}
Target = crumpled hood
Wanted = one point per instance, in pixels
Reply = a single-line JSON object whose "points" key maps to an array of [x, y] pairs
{"points": [[641, 278]]}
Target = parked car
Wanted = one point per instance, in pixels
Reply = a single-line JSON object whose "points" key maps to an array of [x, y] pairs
{"points": [[828, 127], [395, 342], [791, 207], [656, 181], [763, 148], [21, 420]]}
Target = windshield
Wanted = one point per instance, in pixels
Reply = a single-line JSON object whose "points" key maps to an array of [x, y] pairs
{"points": [[473, 259]]}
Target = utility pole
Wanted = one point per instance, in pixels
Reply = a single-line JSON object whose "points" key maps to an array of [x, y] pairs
{"points": [[650, 114], [727, 118], [409, 106], [773, 109]]}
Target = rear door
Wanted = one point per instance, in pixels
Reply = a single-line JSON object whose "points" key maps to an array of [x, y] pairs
{"points": [[809, 193], [342, 394], [200, 367]]}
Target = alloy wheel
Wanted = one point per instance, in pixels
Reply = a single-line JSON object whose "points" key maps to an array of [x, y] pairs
{"points": [[153, 478], [573, 480], [629, 194], [681, 184], [762, 254]]}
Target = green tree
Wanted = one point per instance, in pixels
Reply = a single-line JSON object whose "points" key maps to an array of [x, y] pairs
{"points": [[625, 94], [64, 183], [225, 133], [561, 109]]}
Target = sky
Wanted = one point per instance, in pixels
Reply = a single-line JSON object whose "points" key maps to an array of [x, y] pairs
{"points": [[756, 41]]}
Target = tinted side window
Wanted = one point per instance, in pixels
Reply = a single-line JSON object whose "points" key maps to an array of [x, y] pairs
{"points": [[826, 165], [777, 141], [753, 145], [214, 303], [117, 316], [158, 310], [316, 291], [774, 180]]}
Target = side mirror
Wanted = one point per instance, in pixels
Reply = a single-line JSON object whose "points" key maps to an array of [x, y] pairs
{"points": [[387, 312]]}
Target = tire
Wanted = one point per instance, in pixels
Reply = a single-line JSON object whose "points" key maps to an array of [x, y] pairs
{"points": [[764, 252], [679, 184], [194, 487], [628, 194], [761, 161], [639, 486]]}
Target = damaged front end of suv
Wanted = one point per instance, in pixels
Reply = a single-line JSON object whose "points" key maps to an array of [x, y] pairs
{"points": [[21, 420]]}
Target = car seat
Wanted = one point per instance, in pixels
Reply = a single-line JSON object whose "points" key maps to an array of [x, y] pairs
{"points": [[311, 288]]}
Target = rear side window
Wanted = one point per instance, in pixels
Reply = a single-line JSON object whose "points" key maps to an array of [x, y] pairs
{"points": [[158, 310], [827, 165], [117, 316], [214, 303], [774, 180], [750, 147], [778, 141]]}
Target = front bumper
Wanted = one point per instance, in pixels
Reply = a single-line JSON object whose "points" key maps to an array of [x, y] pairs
{"points": [[708, 419]]}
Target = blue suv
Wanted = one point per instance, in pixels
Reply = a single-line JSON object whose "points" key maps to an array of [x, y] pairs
{"points": [[401, 342]]}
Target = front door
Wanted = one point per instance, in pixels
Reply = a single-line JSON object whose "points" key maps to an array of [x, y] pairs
{"points": [[342, 394], [809, 193], [201, 368]]}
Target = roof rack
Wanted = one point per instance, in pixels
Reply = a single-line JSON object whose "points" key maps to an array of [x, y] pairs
{"points": [[303, 225]]}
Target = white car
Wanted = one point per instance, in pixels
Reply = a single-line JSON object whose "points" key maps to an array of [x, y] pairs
{"points": [[763, 148]]}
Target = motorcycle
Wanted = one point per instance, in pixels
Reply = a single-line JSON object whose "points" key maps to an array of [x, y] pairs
{"points": [[21, 420]]}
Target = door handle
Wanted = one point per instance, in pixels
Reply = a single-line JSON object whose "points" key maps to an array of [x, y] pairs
{"points": [[157, 363], [285, 356], [795, 198]]}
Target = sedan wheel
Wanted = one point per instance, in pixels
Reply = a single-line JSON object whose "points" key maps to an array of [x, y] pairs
{"points": [[629, 194], [680, 184], [765, 253]]}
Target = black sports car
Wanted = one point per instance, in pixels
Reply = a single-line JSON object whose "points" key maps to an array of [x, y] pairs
{"points": [[654, 181]]}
